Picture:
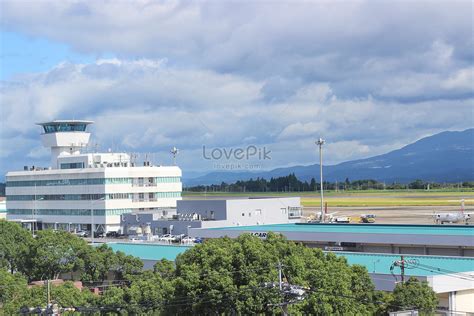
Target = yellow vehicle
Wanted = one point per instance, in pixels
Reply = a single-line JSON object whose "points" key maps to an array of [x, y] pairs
{"points": [[367, 218]]}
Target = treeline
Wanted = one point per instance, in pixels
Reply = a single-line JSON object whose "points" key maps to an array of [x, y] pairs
{"points": [[219, 277], [291, 183]]}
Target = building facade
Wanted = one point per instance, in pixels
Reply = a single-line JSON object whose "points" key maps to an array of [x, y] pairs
{"points": [[3, 209], [440, 240], [84, 189]]}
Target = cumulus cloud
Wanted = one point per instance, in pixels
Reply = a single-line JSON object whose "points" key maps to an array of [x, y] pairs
{"points": [[148, 106], [361, 47], [367, 76]]}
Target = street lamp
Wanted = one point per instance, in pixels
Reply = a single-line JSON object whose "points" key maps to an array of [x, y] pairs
{"points": [[92, 217], [33, 213], [320, 142]]}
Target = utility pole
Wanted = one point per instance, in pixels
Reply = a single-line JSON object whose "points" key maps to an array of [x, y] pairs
{"points": [[291, 293], [284, 307], [280, 283], [92, 215], [92, 223], [48, 294], [33, 214], [320, 142], [402, 268]]}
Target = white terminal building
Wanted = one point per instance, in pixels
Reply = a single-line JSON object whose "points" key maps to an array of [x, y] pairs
{"points": [[81, 190]]}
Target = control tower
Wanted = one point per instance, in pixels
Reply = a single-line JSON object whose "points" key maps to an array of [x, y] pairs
{"points": [[65, 138]]}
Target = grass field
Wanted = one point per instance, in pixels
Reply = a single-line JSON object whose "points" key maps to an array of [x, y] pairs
{"points": [[364, 198], [399, 201]]}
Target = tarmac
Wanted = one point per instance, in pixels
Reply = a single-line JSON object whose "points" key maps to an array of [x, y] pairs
{"points": [[391, 214]]}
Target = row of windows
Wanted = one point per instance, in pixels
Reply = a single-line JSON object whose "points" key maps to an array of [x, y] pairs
{"points": [[95, 181], [64, 127], [68, 212], [87, 197], [118, 180], [167, 194], [56, 197], [153, 181], [168, 179], [41, 183], [72, 165]]}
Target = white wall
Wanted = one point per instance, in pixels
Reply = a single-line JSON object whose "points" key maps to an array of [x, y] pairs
{"points": [[450, 282], [260, 211], [465, 301]]}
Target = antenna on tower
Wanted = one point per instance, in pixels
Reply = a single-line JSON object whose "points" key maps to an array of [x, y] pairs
{"points": [[174, 152]]}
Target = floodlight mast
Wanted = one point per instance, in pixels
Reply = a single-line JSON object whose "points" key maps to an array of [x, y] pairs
{"points": [[174, 151], [320, 142]]}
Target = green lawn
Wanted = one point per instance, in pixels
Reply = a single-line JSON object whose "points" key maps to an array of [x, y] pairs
{"points": [[365, 198]]}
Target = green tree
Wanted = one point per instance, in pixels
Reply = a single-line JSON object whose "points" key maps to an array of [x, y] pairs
{"points": [[164, 268], [414, 294], [148, 292], [15, 243], [98, 262], [225, 276], [67, 295], [125, 265], [417, 184], [113, 297], [13, 292], [55, 252]]}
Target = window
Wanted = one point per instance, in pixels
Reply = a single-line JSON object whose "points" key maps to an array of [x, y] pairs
{"points": [[258, 212], [64, 127], [243, 214], [69, 212], [72, 165]]}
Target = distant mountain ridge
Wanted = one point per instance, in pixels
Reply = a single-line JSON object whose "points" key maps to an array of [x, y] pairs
{"points": [[444, 157]]}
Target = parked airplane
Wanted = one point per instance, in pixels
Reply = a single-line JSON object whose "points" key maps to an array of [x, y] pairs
{"points": [[461, 216]]}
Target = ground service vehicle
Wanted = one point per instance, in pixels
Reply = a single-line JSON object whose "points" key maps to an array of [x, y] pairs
{"points": [[367, 218]]}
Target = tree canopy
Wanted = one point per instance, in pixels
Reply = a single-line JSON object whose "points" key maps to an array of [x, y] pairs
{"points": [[221, 276], [15, 243], [414, 294]]}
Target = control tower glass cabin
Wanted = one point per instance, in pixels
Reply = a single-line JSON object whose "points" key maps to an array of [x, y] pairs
{"points": [[65, 138]]}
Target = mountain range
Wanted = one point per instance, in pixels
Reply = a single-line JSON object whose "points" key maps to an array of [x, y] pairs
{"points": [[444, 157]]}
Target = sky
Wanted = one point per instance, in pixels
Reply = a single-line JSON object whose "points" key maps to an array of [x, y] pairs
{"points": [[367, 76]]}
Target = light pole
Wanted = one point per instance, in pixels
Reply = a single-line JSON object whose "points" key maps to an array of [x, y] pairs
{"points": [[174, 151], [33, 213], [320, 142], [92, 217]]}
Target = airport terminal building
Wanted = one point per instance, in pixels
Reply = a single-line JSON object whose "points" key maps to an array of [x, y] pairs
{"points": [[84, 189], [440, 240]]}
